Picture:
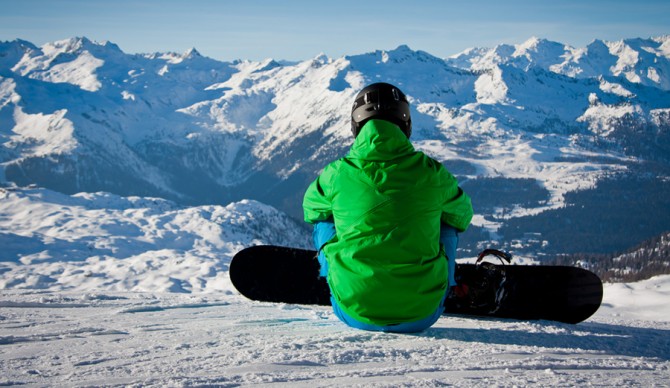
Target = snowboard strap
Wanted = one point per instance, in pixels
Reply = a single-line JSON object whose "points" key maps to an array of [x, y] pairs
{"points": [[483, 289], [502, 256]]}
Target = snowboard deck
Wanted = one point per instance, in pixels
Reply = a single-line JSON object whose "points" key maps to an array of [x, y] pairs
{"points": [[559, 293]]}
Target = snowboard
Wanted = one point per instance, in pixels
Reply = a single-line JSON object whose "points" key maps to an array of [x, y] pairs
{"points": [[559, 293]]}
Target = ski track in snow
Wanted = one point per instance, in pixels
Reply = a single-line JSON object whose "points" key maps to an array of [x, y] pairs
{"points": [[166, 339]]}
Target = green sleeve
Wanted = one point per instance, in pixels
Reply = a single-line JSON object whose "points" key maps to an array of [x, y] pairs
{"points": [[317, 203], [457, 209]]}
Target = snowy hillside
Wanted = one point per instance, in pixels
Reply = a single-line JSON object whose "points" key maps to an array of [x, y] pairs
{"points": [[102, 242], [534, 130]]}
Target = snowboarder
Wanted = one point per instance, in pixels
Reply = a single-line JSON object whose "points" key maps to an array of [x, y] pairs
{"points": [[386, 221]]}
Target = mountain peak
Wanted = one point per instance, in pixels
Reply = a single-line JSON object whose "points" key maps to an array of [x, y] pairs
{"points": [[11, 52], [321, 59], [71, 45], [79, 44], [532, 42], [403, 48], [401, 51], [191, 53], [404, 53], [535, 44], [17, 43]]}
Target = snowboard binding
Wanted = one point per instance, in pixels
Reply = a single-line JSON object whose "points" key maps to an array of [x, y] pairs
{"points": [[481, 289]]}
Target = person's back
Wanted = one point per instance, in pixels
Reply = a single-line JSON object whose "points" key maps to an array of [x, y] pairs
{"points": [[385, 265]]}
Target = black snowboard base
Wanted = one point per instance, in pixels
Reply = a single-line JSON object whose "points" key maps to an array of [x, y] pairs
{"points": [[566, 294]]}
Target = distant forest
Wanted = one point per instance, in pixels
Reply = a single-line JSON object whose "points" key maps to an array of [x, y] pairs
{"points": [[616, 214], [651, 258], [622, 209]]}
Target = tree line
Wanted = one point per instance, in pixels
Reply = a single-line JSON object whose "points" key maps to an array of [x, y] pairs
{"points": [[651, 258]]}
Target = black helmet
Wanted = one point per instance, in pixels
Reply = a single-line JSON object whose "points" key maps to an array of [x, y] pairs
{"points": [[381, 101]]}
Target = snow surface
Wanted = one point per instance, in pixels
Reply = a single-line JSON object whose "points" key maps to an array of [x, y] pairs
{"points": [[102, 290], [168, 339]]}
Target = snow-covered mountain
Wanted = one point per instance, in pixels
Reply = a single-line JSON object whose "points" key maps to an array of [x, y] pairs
{"points": [[536, 132], [637, 60]]}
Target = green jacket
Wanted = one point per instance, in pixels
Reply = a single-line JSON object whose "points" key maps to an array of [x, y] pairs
{"points": [[386, 264]]}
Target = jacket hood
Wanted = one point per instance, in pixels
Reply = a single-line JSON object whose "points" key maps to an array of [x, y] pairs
{"points": [[380, 140]]}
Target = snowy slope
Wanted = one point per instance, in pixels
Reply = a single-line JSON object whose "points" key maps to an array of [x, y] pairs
{"points": [[99, 241], [104, 338]]}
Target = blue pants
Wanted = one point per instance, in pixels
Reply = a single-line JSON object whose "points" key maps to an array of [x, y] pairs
{"points": [[324, 231]]}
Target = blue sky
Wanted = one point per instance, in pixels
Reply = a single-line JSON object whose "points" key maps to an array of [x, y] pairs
{"points": [[302, 29]]}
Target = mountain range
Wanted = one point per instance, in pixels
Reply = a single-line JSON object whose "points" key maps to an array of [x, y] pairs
{"points": [[562, 149]]}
